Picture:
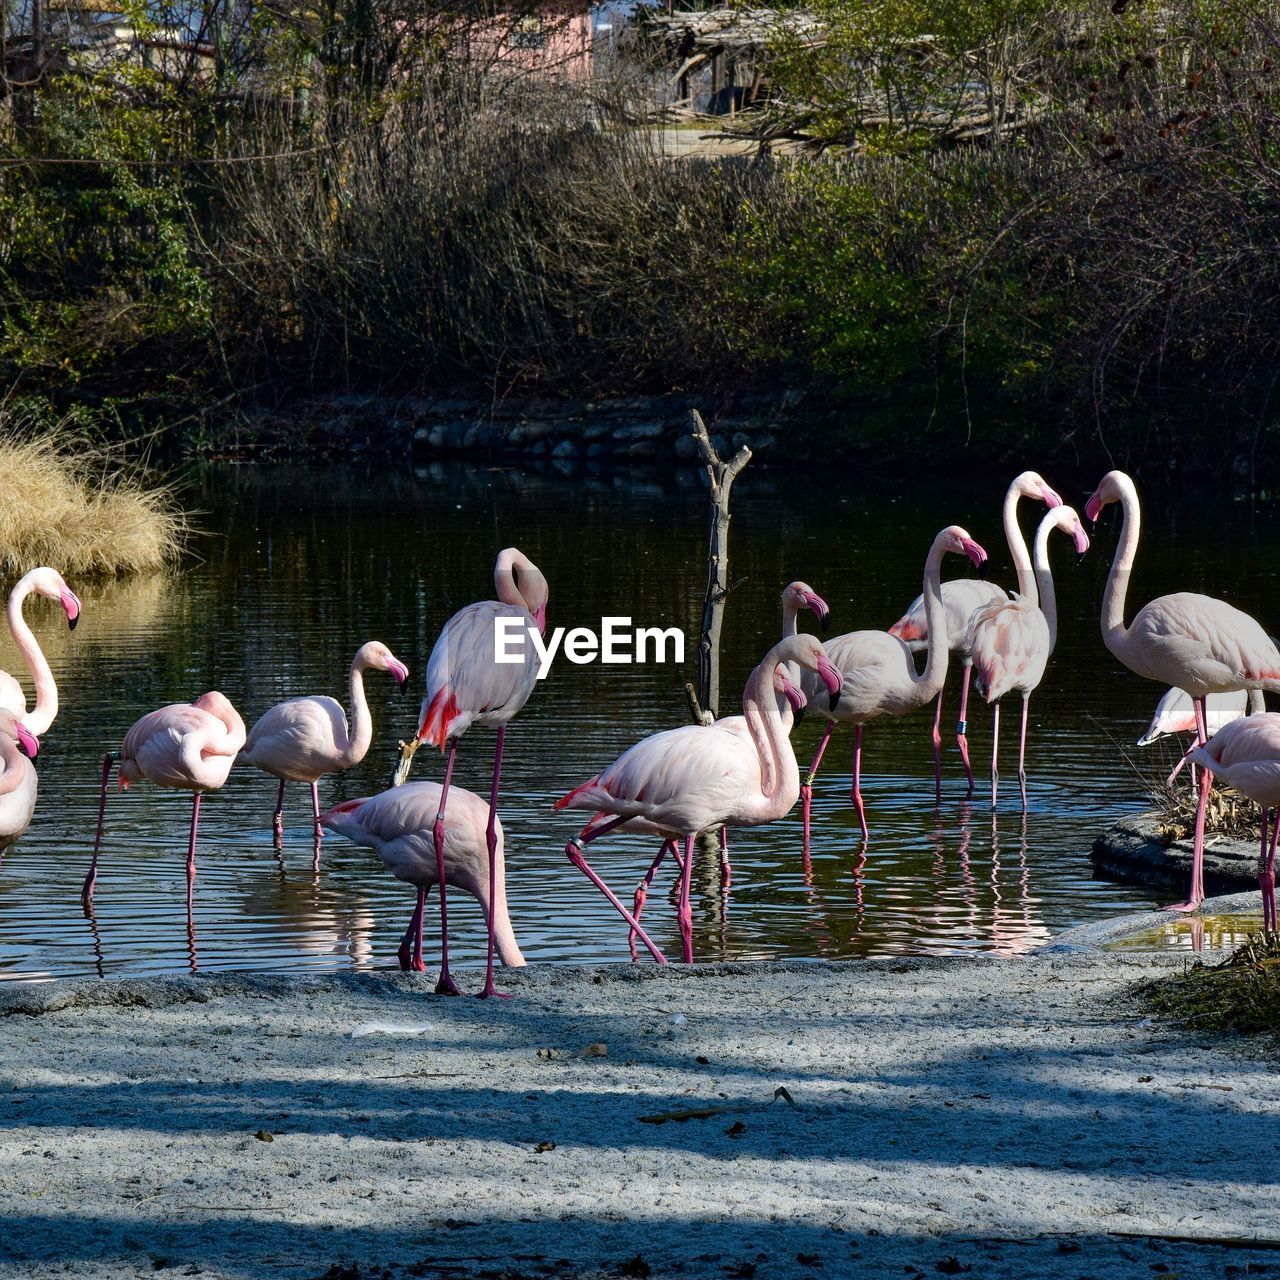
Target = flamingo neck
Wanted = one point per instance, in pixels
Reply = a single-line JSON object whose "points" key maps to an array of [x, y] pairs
{"points": [[1018, 544], [930, 681], [13, 760], [1114, 632], [43, 714], [360, 722], [779, 772], [1044, 581]]}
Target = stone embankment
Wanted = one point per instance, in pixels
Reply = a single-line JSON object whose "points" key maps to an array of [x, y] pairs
{"points": [[640, 429]]}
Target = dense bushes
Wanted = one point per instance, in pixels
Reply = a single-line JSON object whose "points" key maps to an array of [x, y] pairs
{"points": [[380, 214]]}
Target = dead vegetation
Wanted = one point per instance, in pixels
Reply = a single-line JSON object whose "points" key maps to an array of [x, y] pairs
{"points": [[74, 504], [1239, 996]]}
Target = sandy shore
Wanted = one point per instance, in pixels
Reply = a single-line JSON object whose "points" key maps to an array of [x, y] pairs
{"points": [[1019, 1118]]}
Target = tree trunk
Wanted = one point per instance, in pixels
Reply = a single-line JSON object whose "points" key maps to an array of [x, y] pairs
{"points": [[721, 475]]}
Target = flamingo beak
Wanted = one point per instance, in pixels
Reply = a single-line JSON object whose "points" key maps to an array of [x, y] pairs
{"points": [[832, 678], [976, 554], [795, 697], [28, 743], [1050, 497], [1082, 539], [399, 672], [1093, 508], [71, 604], [819, 607], [540, 617]]}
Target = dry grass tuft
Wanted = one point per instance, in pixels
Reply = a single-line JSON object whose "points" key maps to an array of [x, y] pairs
{"points": [[71, 503], [1240, 996]]}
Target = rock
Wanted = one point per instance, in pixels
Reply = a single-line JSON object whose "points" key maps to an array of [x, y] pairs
{"points": [[766, 441], [422, 438], [639, 431], [1133, 850], [566, 450], [687, 446], [598, 450], [642, 449], [720, 444]]}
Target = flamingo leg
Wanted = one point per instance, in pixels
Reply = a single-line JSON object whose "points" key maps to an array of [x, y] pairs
{"points": [[726, 870], [641, 894], [86, 891], [446, 985], [315, 810], [1022, 751], [191, 851], [806, 783], [995, 749], [1267, 875], [962, 728], [856, 794], [1206, 785], [277, 818], [491, 839], [937, 750], [410, 951], [573, 851], [684, 913]]}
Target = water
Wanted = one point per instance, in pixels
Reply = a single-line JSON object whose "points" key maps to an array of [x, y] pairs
{"points": [[301, 566]]}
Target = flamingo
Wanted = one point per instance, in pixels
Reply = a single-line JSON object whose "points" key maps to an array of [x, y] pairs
{"points": [[398, 825], [961, 598], [302, 739], [1010, 640], [1246, 752], [699, 777], [187, 745], [18, 748], [880, 676], [43, 582], [1175, 713], [466, 686], [1195, 642]]}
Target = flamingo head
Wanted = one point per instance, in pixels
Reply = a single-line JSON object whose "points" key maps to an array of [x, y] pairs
{"points": [[800, 595], [1081, 538], [377, 657], [1031, 484], [48, 583], [958, 542], [519, 581], [795, 696], [27, 741], [807, 652], [344, 818], [1110, 489]]}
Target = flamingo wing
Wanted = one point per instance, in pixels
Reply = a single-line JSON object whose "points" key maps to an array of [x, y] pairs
{"points": [[465, 681], [301, 739], [961, 597], [878, 676], [1009, 640]]}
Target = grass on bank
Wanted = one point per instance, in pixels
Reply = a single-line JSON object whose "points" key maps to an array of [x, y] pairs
{"points": [[1240, 996], [68, 503]]}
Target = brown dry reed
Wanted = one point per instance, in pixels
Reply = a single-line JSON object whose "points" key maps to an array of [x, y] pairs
{"points": [[74, 504]]}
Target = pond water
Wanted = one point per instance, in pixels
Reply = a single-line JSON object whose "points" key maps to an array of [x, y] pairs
{"points": [[300, 566]]}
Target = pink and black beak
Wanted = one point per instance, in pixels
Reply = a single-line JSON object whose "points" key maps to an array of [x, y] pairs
{"points": [[976, 554], [71, 605], [1082, 540], [831, 677], [793, 695], [28, 743], [540, 617], [399, 673], [819, 608], [1093, 508], [1050, 497]]}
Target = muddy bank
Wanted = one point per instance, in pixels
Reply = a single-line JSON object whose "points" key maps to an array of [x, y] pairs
{"points": [[950, 1116]]}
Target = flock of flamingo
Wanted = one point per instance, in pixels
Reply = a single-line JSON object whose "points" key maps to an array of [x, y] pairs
{"points": [[740, 771]]}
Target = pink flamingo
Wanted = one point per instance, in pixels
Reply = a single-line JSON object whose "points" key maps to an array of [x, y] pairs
{"points": [[48, 583], [1010, 640], [187, 745], [961, 598], [699, 777], [880, 676], [302, 739], [1246, 752], [466, 686], [1197, 643], [18, 748], [1175, 714], [398, 825]]}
